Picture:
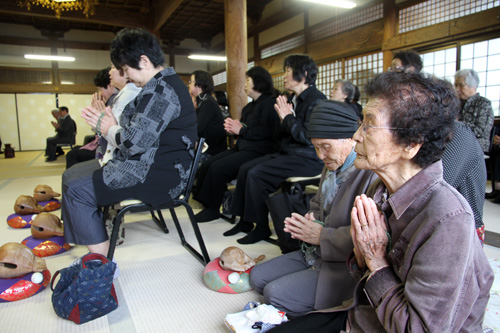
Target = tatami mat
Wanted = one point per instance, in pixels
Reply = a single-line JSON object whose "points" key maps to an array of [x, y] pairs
{"points": [[160, 287]]}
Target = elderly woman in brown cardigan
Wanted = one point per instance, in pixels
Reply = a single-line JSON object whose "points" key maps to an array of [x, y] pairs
{"points": [[419, 263]]}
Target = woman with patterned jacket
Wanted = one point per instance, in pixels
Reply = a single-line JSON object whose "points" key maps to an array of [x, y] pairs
{"points": [[155, 138]]}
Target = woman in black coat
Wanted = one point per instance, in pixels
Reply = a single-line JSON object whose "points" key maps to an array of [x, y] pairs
{"points": [[254, 139], [208, 114]]}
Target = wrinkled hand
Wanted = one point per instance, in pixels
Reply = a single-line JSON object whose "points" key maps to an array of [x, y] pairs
{"points": [[55, 124], [96, 97], [369, 233], [303, 228], [91, 116], [359, 257], [232, 126], [282, 107], [496, 140]]}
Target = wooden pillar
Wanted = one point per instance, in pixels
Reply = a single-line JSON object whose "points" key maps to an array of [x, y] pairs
{"points": [[53, 36], [235, 21], [256, 48], [171, 58], [307, 30], [390, 29], [56, 77]]}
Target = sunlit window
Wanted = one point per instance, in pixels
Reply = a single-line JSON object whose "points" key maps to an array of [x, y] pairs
{"points": [[442, 63], [359, 70], [431, 12], [327, 74], [484, 58]]}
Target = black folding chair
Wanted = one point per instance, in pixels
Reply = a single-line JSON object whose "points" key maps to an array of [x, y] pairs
{"points": [[137, 206]]}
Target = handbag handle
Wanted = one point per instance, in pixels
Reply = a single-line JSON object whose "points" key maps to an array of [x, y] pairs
{"points": [[94, 256], [85, 258], [53, 279]]}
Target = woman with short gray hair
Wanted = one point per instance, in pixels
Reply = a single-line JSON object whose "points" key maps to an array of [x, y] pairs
{"points": [[476, 111]]}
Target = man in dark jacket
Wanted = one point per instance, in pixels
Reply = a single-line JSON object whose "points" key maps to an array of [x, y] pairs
{"points": [[66, 131]]}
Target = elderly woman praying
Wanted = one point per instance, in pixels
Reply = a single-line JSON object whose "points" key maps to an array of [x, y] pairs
{"points": [[419, 263]]}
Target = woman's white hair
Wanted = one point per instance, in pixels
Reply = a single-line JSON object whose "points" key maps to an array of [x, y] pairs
{"points": [[470, 75]]}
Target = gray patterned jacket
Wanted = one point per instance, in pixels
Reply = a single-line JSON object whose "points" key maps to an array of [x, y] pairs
{"points": [[477, 114], [142, 122]]}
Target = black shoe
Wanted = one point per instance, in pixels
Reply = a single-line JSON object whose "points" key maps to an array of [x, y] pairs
{"points": [[60, 153], [492, 195], [242, 226], [255, 236], [207, 215], [50, 159], [497, 199]]}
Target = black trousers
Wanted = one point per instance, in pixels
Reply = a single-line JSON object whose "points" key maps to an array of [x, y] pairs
{"points": [[495, 165], [216, 172], [314, 323], [262, 176], [77, 155], [50, 149]]}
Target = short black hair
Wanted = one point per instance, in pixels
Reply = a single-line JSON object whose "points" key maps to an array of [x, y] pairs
{"points": [[357, 94], [63, 108], [262, 80], [410, 58], [302, 66], [102, 79], [132, 43], [422, 108], [204, 80]]}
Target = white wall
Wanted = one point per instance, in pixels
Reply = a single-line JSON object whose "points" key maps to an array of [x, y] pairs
{"points": [[25, 118], [8, 120]]}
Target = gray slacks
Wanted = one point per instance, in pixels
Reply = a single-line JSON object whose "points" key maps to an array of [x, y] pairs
{"points": [[287, 282], [80, 212]]}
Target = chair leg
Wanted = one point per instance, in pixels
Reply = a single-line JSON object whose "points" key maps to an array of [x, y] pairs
{"points": [[114, 234], [203, 256], [229, 218], [160, 221], [105, 211], [178, 226]]}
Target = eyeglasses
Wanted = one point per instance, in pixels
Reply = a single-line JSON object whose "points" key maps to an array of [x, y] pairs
{"points": [[365, 127], [397, 69]]}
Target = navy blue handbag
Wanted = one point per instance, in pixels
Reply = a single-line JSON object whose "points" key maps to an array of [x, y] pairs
{"points": [[85, 290]]}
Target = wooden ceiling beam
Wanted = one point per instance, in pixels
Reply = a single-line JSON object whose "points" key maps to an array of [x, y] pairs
{"points": [[165, 10], [275, 19], [83, 45], [60, 44]]}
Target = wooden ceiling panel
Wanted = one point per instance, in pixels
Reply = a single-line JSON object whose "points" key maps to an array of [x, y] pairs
{"points": [[173, 20]]}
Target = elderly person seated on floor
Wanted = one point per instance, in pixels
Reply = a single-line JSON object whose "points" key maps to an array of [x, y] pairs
{"points": [[317, 274], [463, 158], [420, 265], [155, 140]]}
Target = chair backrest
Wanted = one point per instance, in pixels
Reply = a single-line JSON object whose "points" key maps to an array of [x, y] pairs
{"points": [[493, 132], [194, 168]]}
